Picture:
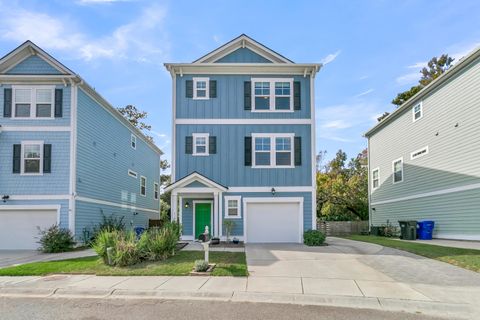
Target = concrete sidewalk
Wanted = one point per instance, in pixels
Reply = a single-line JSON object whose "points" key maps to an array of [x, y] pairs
{"points": [[17, 257], [453, 302], [463, 244]]}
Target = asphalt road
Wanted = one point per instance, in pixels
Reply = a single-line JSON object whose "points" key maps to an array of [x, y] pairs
{"points": [[92, 309]]}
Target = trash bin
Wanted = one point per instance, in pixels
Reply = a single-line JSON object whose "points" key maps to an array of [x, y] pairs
{"points": [[139, 231], [425, 229], [408, 229], [375, 231]]}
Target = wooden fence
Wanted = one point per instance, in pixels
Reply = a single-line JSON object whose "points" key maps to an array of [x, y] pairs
{"points": [[342, 228]]}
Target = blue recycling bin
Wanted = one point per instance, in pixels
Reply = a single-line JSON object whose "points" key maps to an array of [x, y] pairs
{"points": [[425, 229], [139, 231]]}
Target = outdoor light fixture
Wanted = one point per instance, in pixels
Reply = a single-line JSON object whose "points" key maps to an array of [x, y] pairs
{"points": [[373, 209], [187, 204], [273, 191], [5, 198]]}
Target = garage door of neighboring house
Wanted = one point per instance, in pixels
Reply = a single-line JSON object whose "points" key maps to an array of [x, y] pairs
{"points": [[273, 221], [18, 226]]}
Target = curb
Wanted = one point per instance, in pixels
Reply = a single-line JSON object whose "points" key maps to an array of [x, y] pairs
{"points": [[430, 308]]}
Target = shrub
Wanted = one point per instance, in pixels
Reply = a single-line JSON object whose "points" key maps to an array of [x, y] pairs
{"points": [[110, 223], [200, 266], [159, 243], [313, 238], [55, 239], [126, 252], [105, 239]]}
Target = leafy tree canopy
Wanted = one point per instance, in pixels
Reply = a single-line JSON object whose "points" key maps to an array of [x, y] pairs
{"points": [[137, 118]]}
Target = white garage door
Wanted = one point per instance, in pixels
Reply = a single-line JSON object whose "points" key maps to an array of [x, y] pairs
{"points": [[18, 228], [273, 222]]}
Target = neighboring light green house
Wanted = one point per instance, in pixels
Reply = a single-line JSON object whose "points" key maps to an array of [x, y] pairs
{"points": [[424, 158]]}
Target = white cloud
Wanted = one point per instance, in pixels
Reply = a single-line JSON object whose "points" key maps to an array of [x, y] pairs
{"points": [[364, 93], [216, 38], [329, 58], [143, 39], [409, 78], [336, 124], [418, 65]]}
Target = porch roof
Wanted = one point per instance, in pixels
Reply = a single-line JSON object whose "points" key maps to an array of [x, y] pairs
{"points": [[192, 177]]}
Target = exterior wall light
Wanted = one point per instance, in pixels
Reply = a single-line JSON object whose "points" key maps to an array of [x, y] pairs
{"points": [[187, 205], [273, 191]]}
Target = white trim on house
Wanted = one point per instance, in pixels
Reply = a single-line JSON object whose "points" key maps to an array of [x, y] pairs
{"points": [[38, 197], [73, 157], [261, 69], [420, 104], [221, 121], [133, 141], [143, 185], [113, 204], [247, 200], [39, 128], [313, 152], [430, 194], [207, 88], [132, 173], [273, 151], [269, 189], [39, 143], [194, 202], [195, 145], [419, 153], [33, 101], [393, 170], [174, 120], [178, 185], [238, 207], [373, 186], [272, 94]]}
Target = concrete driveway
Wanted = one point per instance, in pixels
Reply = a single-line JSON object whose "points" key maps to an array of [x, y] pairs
{"points": [[346, 267], [16, 257]]}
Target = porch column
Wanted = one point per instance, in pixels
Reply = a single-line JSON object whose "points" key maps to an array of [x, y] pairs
{"points": [[173, 208], [215, 214]]}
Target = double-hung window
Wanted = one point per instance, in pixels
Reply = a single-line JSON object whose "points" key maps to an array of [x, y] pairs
{"points": [[33, 102], [200, 144], [143, 186], [397, 167], [272, 95], [32, 158], [133, 141], [273, 150], [156, 191], [232, 207], [375, 178], [201, 88], [417, 112]]}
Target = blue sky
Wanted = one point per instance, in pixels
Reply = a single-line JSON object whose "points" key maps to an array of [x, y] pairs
{"points": [[371, 49]]}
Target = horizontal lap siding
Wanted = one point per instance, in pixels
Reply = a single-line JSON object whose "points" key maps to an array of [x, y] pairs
{"points": [[453, 156], [54, 183], [229, 103], [104, 156], [33, 65], [227, 165]]}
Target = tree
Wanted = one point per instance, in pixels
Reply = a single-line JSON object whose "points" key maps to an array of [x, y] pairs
{"points": [[136, 118], [383, 116], [342, 190], [435, 68]]}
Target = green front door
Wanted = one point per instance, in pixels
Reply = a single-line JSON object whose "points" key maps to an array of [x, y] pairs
{"points": [[202, 218]]}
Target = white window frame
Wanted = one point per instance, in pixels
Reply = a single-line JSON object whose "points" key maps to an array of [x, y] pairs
{"points": [[239, 207], [201, 135], [272, 93], [273, 151], [207, 89], [22, 159], [156, 191], [373, 184], [421, 111], [132, 174], [413, 155], [143, 178], [133, 141], [393, 170], [33, 102]]}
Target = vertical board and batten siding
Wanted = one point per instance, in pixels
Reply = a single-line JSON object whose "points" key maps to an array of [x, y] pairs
{"points": [[33, 65], [229, 103], [227, 165], [54, 183], [104, 156], [63, 121], [452, 160], [243, 55]]}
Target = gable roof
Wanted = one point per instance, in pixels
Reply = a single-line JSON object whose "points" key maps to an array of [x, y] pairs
{"points": [[243, 41], [462, 64], [195, 176], [28, 49]]}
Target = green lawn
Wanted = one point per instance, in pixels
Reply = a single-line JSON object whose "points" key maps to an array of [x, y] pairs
{"points": [[465, 258], [228, 264]]}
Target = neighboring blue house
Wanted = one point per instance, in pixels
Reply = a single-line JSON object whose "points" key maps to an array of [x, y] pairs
{"points": [[244, 144], [66, 155]]}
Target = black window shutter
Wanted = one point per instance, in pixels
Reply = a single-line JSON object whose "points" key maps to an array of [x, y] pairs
{"points": [[247, 95], [297, 103], [298, 151], [189, 89], [7, 103], [58, 103], [17, 156], [213, 88], [248, 151], [47, 158], [189, 145], [212, 145]]}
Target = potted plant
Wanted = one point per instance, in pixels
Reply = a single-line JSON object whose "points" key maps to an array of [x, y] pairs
{"points": [[229, 224]]}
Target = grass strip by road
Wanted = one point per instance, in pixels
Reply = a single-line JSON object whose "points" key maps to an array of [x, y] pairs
{"points": [[228, 264], [465, 258]]}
